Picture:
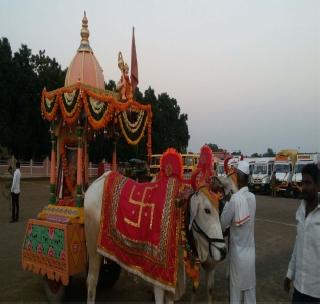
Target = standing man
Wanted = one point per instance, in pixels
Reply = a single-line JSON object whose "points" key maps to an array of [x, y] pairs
{"points": [[239, 214], [15, 193], [304, 266]]}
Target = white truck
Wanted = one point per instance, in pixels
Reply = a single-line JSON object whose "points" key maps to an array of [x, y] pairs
{"points": [[232, 162], [302, 160], [283, 172], [261, 175]]}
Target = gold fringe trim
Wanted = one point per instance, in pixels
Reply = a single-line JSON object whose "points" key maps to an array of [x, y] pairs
{"points": [[137, 272]]}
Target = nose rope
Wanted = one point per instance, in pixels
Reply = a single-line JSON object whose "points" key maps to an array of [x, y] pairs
{"points": [[211, 241]]}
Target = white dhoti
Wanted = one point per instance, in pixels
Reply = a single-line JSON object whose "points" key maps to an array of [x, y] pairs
{"points": [[248, 296]]}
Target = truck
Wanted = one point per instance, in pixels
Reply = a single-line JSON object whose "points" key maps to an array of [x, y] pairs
{"points": [[155, 165], [302, 160], [281, 181], [261, 174]]}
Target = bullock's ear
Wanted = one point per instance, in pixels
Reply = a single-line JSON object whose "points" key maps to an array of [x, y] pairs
{"points": [[179, 202], [194, 208]]}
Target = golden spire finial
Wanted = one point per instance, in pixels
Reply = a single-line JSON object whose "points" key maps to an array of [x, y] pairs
{"points": [[84, 35]]}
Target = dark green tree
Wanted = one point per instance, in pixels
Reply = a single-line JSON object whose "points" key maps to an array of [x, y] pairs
{"points": [[169, 128], [7, 89], [214, 147], [22, 78], [269, 153], [236, 153], [255, 155]]}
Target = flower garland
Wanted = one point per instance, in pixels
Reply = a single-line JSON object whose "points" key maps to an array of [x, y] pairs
{"points": [[133, 126], [48, 113], [70, 117], [126, 136], [69, 97], [191, 263], [149, 141], [98, 118], [97, 124]]}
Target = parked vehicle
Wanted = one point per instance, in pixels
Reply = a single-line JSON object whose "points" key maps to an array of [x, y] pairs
{"points": [[251, 161], [190, 162], [302, 160], [220, 169], [283, 172], [155, 164], [261, 175]]}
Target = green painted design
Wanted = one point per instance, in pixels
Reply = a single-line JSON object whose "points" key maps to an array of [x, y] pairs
{"points": [[79, 189], [53, 199], [48, 240], [52, 188], [79, 201]]}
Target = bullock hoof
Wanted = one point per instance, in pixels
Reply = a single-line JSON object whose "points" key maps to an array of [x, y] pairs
{"points": [[55, 291], [109, 274]]}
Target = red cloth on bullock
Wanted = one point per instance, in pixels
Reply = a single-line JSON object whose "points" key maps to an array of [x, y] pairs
{"points": [[140, 227]]}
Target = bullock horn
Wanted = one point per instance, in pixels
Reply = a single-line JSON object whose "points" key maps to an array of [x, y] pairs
{"points": [[194, 179], [225, 164]]}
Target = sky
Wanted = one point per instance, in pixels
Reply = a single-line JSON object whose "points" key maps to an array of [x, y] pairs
{"points": [[246, 72]]}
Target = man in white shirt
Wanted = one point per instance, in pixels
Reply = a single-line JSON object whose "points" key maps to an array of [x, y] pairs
{"points": [[304, 266], [15, 193], [239, 214]]}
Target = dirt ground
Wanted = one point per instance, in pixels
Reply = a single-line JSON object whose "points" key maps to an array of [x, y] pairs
{"points": [[274, 234]]}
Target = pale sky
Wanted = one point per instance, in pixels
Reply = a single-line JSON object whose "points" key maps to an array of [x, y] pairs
{"points": [[247, 73]]}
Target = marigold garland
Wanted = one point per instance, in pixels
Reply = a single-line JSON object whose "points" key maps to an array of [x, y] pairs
{"points": [[191, 263], [103, 121], [49, 115], [126, 136], [73, 115], [133, 127], [113, 104]]}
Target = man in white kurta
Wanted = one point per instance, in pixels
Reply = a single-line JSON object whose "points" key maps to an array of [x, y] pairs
{"points": [[239, 215]]}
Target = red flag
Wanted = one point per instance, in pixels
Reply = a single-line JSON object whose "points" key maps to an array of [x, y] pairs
{"points": [[134, 64]]}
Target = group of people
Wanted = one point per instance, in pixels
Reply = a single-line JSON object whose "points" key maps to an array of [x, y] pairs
{"points": [[303, 272]]}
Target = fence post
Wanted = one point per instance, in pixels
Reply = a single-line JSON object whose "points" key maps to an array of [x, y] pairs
{"points": [[31, 163], [47, 166]]}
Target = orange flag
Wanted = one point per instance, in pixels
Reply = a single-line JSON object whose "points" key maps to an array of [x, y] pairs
{"points": [[134, 64]]}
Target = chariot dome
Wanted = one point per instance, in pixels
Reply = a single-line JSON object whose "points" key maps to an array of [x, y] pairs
{"points": [[84, 67]]}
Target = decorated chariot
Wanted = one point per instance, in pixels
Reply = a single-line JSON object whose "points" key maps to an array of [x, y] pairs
{"points": [[54, 243], [140, 226]]}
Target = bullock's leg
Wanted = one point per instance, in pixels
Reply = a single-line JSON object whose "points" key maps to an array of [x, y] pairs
{"points": [[169, 297], [93, 276], [210, 283], [158, 294], [181, 277], [193, 295]]}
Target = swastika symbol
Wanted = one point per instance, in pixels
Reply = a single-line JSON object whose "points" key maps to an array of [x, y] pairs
{"points": [[142, 205]]}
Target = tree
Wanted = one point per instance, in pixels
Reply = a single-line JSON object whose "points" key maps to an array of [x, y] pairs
{"points": [[7, 88], [111, 85], [269, 153], [236, 153], [169, 126], [255, 155], [22, 78], [215, 148]]}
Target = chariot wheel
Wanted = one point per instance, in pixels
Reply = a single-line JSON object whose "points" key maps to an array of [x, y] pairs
{"points": [[109, 273], [55, 291]]}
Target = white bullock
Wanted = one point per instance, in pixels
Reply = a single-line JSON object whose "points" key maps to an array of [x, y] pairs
{"points": [[206, 230]]}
